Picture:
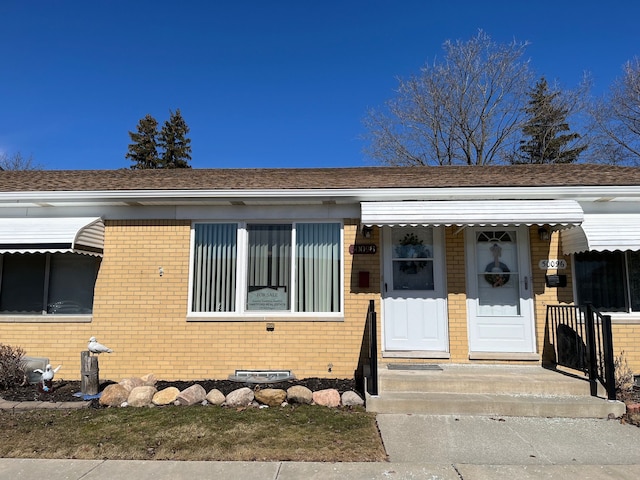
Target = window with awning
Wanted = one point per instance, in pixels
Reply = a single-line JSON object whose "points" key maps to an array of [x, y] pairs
{"points": [[52, 235]]}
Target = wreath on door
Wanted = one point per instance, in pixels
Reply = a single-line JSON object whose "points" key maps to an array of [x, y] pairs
{"points": [[496, 275], [412, 247]]}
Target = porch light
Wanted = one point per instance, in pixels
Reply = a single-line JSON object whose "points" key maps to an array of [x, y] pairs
{"points": [[366, 231], [543, 233]]}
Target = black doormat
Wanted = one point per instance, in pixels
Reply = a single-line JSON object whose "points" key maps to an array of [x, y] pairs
{"points": [[413, 366]]}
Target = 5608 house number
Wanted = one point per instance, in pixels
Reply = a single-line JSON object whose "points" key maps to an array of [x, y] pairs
{"points": [[552, 264]]}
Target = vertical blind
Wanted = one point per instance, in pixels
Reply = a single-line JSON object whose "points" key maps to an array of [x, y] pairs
{"points": [[318, 267], [215, 257], [269, 262]]}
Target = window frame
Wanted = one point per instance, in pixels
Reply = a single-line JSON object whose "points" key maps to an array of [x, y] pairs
{"points": [[626, 316], [241, 313], [44, 316]]}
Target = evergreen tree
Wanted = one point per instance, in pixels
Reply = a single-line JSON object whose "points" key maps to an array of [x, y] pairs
{"points": [[175, 144], [144, 149], [547, 120]]}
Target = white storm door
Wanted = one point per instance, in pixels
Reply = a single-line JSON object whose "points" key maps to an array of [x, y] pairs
{"points": [[499, 301], [414, 304]]}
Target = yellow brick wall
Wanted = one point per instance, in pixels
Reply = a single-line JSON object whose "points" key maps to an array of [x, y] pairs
{"points": [[626, 338], [142, 317], [543, 295], [456, 295]]}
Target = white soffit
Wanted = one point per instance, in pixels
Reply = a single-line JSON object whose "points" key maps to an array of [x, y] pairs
{"points": [[482, 213], [603, 232], [52, 235]]}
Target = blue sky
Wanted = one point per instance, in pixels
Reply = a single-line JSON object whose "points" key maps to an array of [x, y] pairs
{"points": [[260, 83]]}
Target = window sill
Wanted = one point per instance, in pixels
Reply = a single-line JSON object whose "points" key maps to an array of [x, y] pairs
{"points": [[618, 318], [46, 318], [416, 354], [265, 318], [513, 356]]}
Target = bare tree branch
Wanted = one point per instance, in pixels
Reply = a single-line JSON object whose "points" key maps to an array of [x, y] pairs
{"points": [[466, 109], [18, 162]]}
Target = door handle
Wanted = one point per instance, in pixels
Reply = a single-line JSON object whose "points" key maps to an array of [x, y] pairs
{"points": [[385, 287], [526, 283]]}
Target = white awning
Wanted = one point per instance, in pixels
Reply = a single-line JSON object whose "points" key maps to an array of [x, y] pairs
{"points": [[52, 235], [600, 232], [482, 213]]}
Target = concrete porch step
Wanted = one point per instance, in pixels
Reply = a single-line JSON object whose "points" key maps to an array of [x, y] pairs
{"points": [[531, 380], [438, 403], [500, 390]]}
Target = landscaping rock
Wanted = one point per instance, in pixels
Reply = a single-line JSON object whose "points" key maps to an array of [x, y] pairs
{"points": [[273, 397], [114, 395], [166, 396], [240, 398], [149, 379], [299, 394], [131, 383], [141, 396], [327, 398], [351, 399], [192, 395], [215, 397]]}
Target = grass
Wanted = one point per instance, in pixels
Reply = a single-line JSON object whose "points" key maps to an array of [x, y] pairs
{"points": [[293, 433]]}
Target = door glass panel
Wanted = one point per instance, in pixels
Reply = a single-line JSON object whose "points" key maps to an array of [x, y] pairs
{"points": [[498, 276], [412, 258]]}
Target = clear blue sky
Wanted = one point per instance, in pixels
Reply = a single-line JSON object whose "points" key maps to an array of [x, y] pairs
{"points": [[261, 83]]}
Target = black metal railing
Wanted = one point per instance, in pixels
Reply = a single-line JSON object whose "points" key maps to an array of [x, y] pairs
{"points": [[372, 351], [582, 340]]}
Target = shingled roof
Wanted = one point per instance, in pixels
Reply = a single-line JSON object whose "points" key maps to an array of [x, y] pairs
{"points": [[318, 178]]}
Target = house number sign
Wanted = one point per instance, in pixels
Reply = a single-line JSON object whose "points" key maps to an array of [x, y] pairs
{"points": [[552, 264], [368, 249]]}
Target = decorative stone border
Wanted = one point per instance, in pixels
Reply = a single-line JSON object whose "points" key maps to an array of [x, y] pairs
{"points": [[141, 392]]}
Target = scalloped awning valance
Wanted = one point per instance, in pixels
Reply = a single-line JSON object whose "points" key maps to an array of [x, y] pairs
{"points": [[603, 232], [469, 213]]}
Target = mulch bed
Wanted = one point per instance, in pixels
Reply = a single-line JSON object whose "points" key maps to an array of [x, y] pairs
{"points": [[63, 390]]}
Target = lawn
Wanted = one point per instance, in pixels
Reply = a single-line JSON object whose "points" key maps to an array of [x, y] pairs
{"points": [[292, 433]]}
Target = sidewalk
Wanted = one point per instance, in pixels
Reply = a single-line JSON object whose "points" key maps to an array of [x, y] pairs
{"points": [[12, 469], [419, 447]]}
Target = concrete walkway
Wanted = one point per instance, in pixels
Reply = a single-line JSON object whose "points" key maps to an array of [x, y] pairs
{"points": [[419, 447]]}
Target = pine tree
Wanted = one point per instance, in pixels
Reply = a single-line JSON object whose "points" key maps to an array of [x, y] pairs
{"points": [[175, 144], [547, 119], [144, 149]]}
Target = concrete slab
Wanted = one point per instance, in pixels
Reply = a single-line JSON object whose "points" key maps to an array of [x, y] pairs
{"points": [[362, 471], [6, 405], [27, 468], [508, 440], [27, 405], [72, 405], [142, 470], [542, 472]]}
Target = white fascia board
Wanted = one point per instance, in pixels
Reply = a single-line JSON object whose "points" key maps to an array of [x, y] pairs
{"points": [[593, 193]]}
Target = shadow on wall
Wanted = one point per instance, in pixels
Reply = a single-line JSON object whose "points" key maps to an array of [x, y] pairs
{"points": [[565, 348]]}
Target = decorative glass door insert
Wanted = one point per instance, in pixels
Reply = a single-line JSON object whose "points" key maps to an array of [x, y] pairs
{"points": [[412, 259], [497, 271]]}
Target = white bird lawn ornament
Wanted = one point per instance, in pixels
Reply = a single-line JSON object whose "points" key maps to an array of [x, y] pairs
{"points": [[46, 377], [97, 348]]}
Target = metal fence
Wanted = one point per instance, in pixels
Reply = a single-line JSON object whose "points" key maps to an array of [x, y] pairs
{"points": [[582, 340], [372, 329]]}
